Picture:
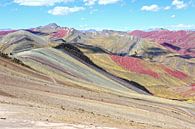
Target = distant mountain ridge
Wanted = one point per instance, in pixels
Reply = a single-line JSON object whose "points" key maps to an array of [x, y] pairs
{"points": [[161, 61]]}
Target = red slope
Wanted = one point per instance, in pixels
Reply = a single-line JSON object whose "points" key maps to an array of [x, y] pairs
{"points": [[61, 33], [193, 86], [139, 66], [174, 73], [134, 65]]}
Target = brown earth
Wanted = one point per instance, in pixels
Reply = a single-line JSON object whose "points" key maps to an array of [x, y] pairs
{"points": [[29, 99]]}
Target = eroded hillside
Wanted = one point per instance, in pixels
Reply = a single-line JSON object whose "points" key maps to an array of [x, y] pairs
{"points": [[59, 77]]}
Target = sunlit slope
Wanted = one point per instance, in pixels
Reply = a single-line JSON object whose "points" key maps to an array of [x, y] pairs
{"points": [[66, 69], [178, 62], [20, 41], [157, 78]]}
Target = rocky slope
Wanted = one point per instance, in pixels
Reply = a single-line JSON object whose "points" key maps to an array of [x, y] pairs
{"points": [[59, 77]]}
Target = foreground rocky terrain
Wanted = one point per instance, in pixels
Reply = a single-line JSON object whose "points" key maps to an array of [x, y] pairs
{"points": [[58, 77]]}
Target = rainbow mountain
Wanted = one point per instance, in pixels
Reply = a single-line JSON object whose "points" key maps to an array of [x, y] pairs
{"points": [[100, 78]]}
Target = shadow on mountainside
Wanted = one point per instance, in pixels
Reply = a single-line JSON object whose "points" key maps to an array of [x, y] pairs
{"points": [[73, 51]]}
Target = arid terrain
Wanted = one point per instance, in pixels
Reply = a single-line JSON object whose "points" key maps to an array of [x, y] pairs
{"points": [[54, 77]]}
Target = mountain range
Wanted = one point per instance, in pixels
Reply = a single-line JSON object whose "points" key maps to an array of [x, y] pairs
{"points": [[138, 79]]}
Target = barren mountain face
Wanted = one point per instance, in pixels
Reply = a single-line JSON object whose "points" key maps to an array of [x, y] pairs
{"points": [[62, 78]]}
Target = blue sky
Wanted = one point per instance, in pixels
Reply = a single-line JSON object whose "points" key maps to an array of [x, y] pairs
{"points": [[98, 14]]}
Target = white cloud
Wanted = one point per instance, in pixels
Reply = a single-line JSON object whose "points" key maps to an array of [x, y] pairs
{"points": [[59, 10], [101, 2], [40, 2], [179, 4], [105, 2], [153, 8], [173, 16], [89, 2], [167, 8]]}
